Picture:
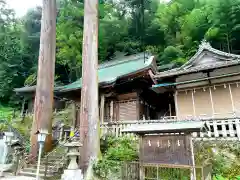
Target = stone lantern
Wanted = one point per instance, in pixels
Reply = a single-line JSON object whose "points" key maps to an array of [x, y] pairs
{"points": [[6, 154], [73, 172]]}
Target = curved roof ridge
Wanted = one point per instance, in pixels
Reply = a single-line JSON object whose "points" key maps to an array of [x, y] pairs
{"points": [[207, 46]]}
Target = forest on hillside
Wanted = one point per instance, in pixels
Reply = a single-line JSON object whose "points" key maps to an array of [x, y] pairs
{"points": [[172, 31]]}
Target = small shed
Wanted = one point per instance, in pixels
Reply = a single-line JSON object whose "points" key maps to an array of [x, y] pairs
{"points": [[168, 143]]}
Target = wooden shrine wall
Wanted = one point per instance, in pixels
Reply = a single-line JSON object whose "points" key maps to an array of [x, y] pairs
{"points": [[124, 107], [166, 150], [127, 110], [220, 101]]}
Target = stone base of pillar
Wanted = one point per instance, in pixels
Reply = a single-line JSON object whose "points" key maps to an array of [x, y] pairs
{"points": [[72, 174]]}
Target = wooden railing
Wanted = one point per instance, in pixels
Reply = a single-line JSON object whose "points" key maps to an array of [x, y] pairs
{"points": [[220, 128]]}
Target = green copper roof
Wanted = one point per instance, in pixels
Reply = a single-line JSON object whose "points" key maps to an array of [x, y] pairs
{"points": [[109, 72]]}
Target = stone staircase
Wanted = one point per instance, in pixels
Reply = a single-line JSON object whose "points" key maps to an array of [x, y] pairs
{"points": [[51, 165]]}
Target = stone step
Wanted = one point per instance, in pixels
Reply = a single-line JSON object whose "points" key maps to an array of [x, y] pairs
{"points": [[50, 158], [33, 174], [41, 170], [49, 163], [34, 166]]}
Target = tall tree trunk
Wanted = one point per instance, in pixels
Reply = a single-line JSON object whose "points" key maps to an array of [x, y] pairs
{"points": [[228, 42], [43, 105], [89, 115]]}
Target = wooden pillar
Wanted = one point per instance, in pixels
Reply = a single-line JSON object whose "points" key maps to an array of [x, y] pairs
{"points": [[89, 123], [74, 117], [215, 127], [43, 105], [141, 152], [176, 104], [193, 102], [23, 105], [102, 107], [231, 130], [231, 96], [170, 110], [111, 111], [193, 170], [211, 99]]}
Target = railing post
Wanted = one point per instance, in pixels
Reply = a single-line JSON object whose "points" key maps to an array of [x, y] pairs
{"points": [[61, 132], [17, 154], [65, 136], [238, 127], [46, 167]]}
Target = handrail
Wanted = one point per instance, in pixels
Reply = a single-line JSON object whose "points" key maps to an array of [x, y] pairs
{"points": [[24, 162], [62, 159], [61, 145], [47, 168]]}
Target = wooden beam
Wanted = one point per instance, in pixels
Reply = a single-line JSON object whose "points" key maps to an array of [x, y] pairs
{"points": [[89, 112], [152, 76], [43, 105]]}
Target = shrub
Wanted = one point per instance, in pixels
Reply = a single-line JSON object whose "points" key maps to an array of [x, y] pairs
{"points": [[115, 150]]}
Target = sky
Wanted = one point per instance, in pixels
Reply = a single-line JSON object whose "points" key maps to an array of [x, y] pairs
{"points": [[21, 6]]}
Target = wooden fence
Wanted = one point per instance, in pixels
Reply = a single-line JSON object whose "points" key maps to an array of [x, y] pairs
{"points": [[220, 129], [131, 171]]}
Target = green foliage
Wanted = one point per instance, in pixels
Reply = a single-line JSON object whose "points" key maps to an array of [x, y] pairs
{"points": [[114, 152], [172, 53], [224, 157], [69, 37], [64, 116], [171, 31]]}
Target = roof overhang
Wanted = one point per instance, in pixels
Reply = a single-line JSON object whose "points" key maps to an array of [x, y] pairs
{"points": [[26, 89], [168, 127], [180, 71]]}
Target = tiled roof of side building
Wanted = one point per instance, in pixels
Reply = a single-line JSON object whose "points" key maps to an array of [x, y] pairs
{"points": [[224, 60]]}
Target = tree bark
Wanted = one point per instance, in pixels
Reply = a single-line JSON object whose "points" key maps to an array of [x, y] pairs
{"points": [[89, 113], [43, 105]]}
